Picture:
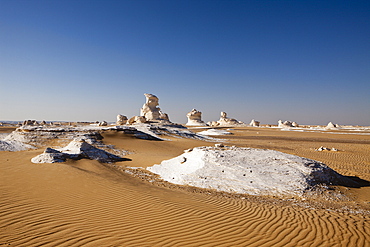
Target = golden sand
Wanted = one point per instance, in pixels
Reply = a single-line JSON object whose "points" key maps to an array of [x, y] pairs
{"points": [[86, 203]]}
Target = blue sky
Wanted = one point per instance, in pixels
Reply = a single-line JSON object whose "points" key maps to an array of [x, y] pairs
{"points": [[305, 61]]}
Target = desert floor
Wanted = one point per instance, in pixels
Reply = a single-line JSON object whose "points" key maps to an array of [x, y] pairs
{"points": [[86, 203]]}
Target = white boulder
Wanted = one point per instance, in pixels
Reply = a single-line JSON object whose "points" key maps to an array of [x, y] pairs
{"points": [[121, 119], [245, 171]]}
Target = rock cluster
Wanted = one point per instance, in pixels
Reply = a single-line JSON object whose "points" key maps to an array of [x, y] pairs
{"points": [[287, 124], [29, 122], [225, 121], [195, 118], [322, 148]]}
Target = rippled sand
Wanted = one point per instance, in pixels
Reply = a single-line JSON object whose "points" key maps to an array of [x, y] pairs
{"points": [[85, 203]]}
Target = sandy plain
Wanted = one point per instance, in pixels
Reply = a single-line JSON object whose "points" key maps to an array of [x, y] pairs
{"points": [[86, 203]]}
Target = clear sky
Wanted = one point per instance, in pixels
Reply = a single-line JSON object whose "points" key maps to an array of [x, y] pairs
{"points": [[304, 61]]}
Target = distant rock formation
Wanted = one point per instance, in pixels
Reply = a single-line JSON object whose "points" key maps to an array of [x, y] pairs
{"points": [[287, 124], [332, 126], [76, 149], [195, 118], [121, 119], [29, 122], [254, 123], [295, 124], [151, 111], [103, 123], [225, 121]]}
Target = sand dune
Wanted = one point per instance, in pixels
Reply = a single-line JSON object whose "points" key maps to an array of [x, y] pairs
{"points": [[86, 203]]}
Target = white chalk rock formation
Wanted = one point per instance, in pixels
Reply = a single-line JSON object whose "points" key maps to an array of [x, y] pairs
{"points": [[121, 119], [287, 124], [295, 124], [103, 123], [214, 132], [76, 149], [13, 145], [225, 121], [136, 119], [50, 155], [195, 118], [332, 126], [245, 171], [151, 111], [254, 123], [29, 122]]}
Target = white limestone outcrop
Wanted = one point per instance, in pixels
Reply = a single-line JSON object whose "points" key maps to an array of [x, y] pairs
{"points": [[225, 121], [151, 111], [195, 118], [254, 123], [103, 123], [121, 119], [137, 119], [76, 149], [332, 126], [287, 124], [245, 171]]}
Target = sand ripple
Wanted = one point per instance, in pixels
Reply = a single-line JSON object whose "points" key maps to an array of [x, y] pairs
{"points": [[85, 204]]}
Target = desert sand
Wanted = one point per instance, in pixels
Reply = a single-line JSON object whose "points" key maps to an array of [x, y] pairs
{"points": [[87, 203]]}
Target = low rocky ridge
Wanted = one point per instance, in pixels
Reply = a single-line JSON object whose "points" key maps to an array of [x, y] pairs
{"points": [[247, 171], [27, 137], [77, 149]]}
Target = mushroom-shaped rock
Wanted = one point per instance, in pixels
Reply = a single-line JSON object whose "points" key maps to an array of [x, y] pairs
{"points": [[151, 111], [195, 118]]}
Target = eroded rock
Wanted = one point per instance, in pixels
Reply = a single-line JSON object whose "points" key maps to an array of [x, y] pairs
{"points": [[195, 118]]}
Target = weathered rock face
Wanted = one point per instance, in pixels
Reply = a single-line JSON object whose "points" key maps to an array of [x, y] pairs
{"points": [[254, 123], [151, 111], [225, 121], [195, 118], [121, 120]]}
